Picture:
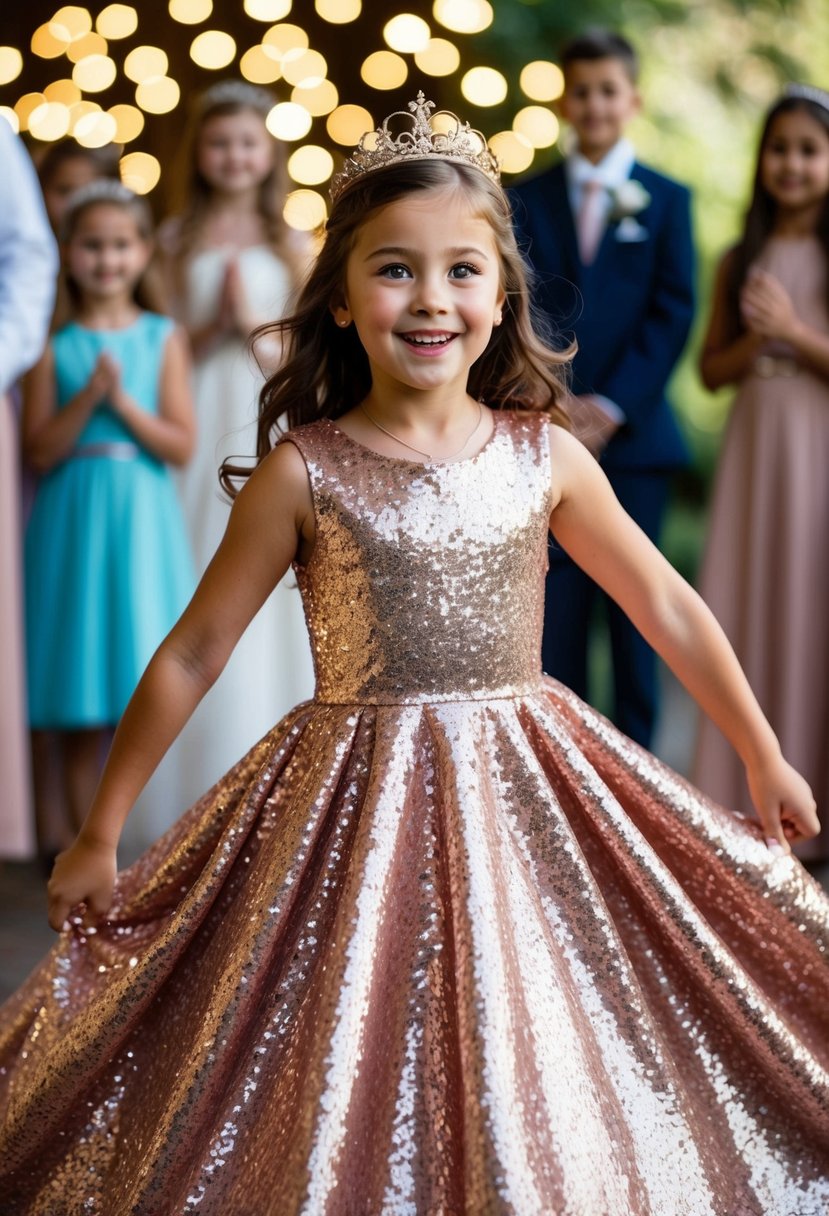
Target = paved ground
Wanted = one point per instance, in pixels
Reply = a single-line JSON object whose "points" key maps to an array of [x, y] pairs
{"points": [[25, 935]]}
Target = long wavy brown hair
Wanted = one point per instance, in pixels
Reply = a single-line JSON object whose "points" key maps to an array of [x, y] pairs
{"points": [[761, 215], [191, 192], [326, 373]]}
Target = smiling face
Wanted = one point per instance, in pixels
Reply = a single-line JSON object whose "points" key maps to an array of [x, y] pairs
{"points": [[106, 254], [794, 162], [235, 152], [599, 101], [423, 290]]}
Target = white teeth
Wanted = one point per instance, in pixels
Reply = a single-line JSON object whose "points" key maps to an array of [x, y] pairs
{"points": [[426, 341]]}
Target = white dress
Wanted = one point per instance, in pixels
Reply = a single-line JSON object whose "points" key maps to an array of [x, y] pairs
{"points": [[271, 668]]}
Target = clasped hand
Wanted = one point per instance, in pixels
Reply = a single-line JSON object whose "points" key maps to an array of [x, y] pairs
{"points": [[766, 306], [784, 802], [83, 874]]}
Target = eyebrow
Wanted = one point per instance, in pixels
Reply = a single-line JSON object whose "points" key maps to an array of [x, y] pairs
{"points": [[461, 251]]}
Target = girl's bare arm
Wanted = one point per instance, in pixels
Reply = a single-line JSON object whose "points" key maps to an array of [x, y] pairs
{"points": [[724, 359], [49, 434], [591, 525], [271, 522]]}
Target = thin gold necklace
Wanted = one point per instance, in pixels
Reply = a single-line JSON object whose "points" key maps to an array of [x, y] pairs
{"points": [[420, 451]]}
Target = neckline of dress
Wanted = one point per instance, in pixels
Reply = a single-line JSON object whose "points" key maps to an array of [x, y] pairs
{"points": [[421, 464]]}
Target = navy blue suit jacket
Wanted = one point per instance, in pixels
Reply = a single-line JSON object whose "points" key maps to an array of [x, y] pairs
{"points": [[630, 310]]}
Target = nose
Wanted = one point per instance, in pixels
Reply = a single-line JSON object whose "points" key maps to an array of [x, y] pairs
{"points": [[429, 297]]}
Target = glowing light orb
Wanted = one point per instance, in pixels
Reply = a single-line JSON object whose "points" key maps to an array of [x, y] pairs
{"points": [[190, 12], [463, 16], [288, 121], [305, 210], [310, 165], [438, 58], [299, 67], [484, 86], [347, 123], [213, 49], [82, 48], [407, 33], [139, 171], [95, 73], [117, 21], [514, 152], [11, 64], [64, 91], [49, 121], [259, 67], [384, 70], [267, 10], [129, 123], [538, 125], [280, 39], [319, 99], [71, 22], [542, 80], [95, 130], [157, 95], [338, 12], [46, 44], [144, 62]]}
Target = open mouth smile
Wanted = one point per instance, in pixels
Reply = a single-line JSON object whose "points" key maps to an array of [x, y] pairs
{"points": [[428, 344]]}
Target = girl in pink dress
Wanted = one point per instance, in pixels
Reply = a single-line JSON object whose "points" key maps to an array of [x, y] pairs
{"points": [[444, 941], [765, 574]]}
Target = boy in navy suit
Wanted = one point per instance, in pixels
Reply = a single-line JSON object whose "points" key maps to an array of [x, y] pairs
{"points": [[610, 244]]}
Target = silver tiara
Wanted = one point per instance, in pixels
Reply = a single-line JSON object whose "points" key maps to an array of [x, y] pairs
{"points": [[807, 92], [424, 136], [236, 92], [101, 190]]}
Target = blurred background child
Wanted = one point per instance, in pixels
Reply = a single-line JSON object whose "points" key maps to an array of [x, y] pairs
{"points": [[232, 263], [765, 572], [107, 564]]}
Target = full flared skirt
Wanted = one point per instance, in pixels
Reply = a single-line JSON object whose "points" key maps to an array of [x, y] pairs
{"points": [[481, 957], [766, 578]]}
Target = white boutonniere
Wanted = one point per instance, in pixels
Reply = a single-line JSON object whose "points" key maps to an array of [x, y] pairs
{"points": [[627, 200]]}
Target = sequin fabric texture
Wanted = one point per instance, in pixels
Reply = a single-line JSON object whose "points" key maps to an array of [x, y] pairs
{"points": [[444, 943]]}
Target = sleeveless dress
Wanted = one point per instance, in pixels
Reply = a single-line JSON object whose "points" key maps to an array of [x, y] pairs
{"points": [[107, 563], [445, 941], [241, 706], [765, 573]]}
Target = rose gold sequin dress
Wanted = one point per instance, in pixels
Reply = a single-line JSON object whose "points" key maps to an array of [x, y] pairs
{"points": [[444, 943]]}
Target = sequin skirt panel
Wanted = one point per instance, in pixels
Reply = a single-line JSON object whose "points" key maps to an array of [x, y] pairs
{"points": [[479, 958]]}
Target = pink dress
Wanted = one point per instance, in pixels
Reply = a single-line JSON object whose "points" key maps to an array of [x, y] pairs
{"points": [[444, 943], [766, 568]]}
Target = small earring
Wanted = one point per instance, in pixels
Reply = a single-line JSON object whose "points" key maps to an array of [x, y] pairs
{"points": [[498, 318], [342, 324]]}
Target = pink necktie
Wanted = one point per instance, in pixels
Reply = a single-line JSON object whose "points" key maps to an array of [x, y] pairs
{"points": [[590, 220]]}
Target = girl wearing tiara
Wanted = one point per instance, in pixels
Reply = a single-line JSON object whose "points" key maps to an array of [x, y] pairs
{"points": [[232, 263], [765, 575], [445, 941], [107, 563]]}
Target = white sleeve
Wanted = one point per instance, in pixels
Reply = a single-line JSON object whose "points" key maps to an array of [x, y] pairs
{"points": [[28, 261]]}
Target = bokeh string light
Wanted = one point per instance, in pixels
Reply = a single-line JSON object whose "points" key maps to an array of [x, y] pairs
{"points": [[82, 59]]}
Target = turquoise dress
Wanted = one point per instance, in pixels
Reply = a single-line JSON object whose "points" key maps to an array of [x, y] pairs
{"points": [[108, 567]]}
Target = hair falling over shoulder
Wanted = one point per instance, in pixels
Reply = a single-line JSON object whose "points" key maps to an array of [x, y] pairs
{"points": [[325, 370]]}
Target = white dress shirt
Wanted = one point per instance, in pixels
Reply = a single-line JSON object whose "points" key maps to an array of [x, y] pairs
{"points": [[28, 262]]}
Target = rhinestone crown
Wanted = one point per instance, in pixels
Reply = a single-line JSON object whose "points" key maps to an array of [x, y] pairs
{"points": [[423, 136]]}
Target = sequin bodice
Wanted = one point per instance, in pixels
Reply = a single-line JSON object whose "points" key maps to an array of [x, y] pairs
{"points": [[427, 580]]}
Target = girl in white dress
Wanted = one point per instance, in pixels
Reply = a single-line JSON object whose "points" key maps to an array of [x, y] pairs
{"points": [[232, 263]]}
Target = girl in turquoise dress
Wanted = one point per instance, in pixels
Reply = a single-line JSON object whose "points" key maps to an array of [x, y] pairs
{"points": [[107, 409]]}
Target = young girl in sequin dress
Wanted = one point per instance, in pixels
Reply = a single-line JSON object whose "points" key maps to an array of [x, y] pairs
{"points": [[445, 941], [765, 574], [232, 263], [107, 566]]}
